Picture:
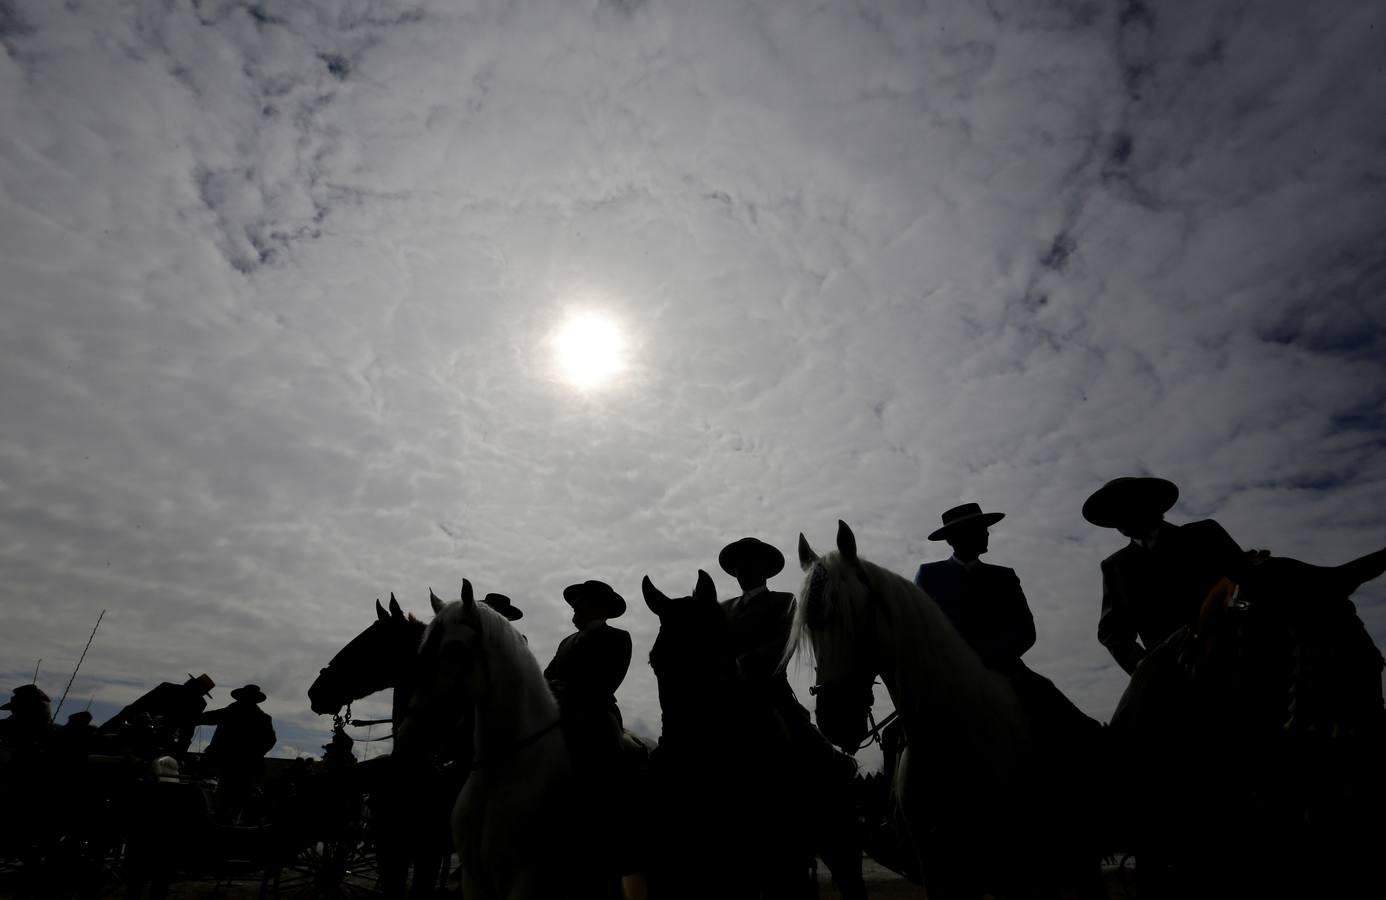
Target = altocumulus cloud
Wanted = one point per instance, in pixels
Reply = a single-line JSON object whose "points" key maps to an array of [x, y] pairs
{"points": [[278, 279]]}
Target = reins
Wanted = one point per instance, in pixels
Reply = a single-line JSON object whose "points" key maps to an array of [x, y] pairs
{"points": [[341, 720]]}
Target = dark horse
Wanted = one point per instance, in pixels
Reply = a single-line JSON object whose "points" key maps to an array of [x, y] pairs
{"points": [[728, 813], [384, 656], [1255, 736]]}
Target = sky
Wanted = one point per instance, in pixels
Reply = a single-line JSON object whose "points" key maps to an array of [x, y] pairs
{"points": [[283, 283]]}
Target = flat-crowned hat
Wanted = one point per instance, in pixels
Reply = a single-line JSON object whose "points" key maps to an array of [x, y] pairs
{"points": [[964, 515], [595, 597], [750, 557], [78, 719], [203, 681], [251, 693], [1122, 499], [501, 604], [26, 695]]}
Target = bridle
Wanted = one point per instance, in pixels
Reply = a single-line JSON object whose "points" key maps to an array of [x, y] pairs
{"points": [[840, 687], [486, 687]]}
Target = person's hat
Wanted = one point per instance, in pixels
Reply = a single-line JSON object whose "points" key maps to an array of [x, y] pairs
{"points": [[26, 695], [251, 693], [78, 719], [1122, 499], [596, 598], [203, 681], [750, 557], [501, 604], [968, 514]]}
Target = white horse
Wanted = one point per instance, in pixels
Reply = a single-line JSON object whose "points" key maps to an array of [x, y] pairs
{"points": [[960, 786], [513, 823]]}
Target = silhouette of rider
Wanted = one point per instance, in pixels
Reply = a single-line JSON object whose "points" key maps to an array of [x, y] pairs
{"points": [[585, 672], [244, 734], [1155, 584], [986, 605], [760, 620], [984, 602], [174, 708]]}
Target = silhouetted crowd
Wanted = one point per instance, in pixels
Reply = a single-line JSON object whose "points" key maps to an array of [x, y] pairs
{"points": [[1155, 585]]}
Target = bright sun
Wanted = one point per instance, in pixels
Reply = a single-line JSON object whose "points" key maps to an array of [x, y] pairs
{"points": [[590, 350]]}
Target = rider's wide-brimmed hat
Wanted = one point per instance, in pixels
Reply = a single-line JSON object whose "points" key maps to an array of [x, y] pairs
{"points": [[750, 557], [968, 514], [250, 693], [501, 604], [79, 719], [1123, 499], [595, 598], [25, 695]]}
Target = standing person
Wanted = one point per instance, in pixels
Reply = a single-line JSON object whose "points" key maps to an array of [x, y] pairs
{"points": [[986, 605], [244, 734], [29, 725], [1155, 584], [173, 709]]}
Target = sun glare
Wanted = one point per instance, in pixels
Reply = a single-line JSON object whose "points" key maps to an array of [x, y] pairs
{"points": [[590, 350]]}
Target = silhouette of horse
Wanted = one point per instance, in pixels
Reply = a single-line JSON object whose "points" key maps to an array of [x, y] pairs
{"points": [[515, 825], [1256, 733], [720, 789], [980, 815], [411, 828]]}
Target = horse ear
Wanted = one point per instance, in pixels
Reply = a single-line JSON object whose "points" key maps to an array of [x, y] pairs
{"points": [[468, 598], [806, 555], [434, 602], [654, 599], [380, 612], [395, 611], [846, 542], [704, 590]]}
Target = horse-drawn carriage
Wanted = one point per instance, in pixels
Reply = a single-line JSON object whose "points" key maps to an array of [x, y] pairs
{"points": [[107, 823]]}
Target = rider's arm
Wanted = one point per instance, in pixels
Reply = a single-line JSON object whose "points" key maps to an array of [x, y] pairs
{"points": [[1116, 629], [1020, 631]]}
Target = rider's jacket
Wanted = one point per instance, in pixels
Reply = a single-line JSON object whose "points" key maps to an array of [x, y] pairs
{"points": [[1150, 590], [760, 621], [245, 733], [589, 666], [986, 605]]}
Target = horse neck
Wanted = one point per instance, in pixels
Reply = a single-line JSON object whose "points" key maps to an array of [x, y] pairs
{"points": [[703, 711], [404, 674], [937, 683], [516, 704]]}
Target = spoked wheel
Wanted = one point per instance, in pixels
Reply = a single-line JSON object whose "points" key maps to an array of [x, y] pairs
{"points": [[339, 864]]}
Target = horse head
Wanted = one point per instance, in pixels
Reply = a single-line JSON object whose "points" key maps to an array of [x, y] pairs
{"points": [[834, 613], [692, 652], [374, 660], [470, 658]]}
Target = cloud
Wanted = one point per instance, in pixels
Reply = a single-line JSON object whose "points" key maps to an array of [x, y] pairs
{"points": [[279, 279]]}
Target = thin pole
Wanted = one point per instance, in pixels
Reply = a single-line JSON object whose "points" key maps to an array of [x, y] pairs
{"points": [[79, 665], [34, 680]]}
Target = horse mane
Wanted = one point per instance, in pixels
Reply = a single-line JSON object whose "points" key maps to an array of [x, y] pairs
{"points": [[507, 654], [854, 602]]}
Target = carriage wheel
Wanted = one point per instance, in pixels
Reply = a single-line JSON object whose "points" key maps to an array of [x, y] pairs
{"points": [[342, 864]]}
